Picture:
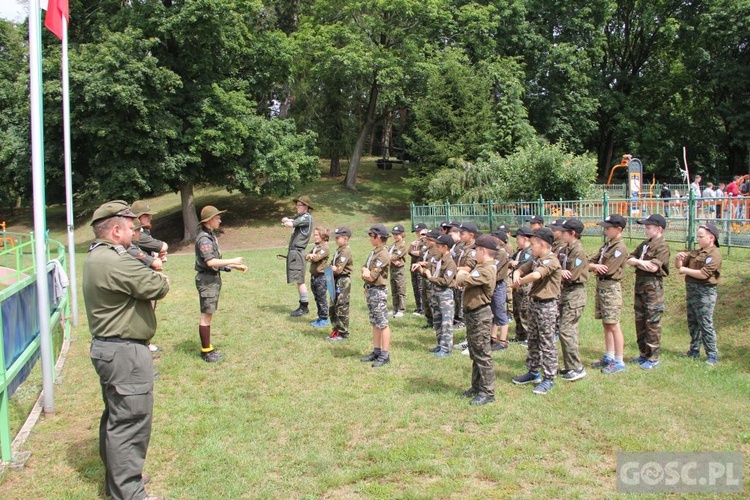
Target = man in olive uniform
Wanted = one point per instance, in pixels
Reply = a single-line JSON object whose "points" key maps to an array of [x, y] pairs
{"points": [[375, 275], [209, 265], [479, 285], [146, 242], [302, 223], [651, 262], [397, 251], [117, 291]]}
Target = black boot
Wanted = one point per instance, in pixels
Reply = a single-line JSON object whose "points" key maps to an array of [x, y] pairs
{"points": [[301, 310]]}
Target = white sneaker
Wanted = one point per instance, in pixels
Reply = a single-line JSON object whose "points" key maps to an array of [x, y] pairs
{"points": [[461, 345], [465, 352], [399, 314], [152, 348]]}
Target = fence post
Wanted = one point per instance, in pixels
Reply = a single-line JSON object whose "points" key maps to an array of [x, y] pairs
{"points": [[447, 210], [489, 214], [692, 213], [605, 205]]}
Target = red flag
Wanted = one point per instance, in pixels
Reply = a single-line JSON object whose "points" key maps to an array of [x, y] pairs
{"points": [[56, 9]]}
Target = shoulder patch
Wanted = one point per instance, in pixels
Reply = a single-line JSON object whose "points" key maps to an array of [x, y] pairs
{"points": [[206, 246], [545, 261], [617, 253], [526, 256], [378, 263], [473, 253], [449, 273], [709, 260], [475, 273], [578, 262], [342, 259]]}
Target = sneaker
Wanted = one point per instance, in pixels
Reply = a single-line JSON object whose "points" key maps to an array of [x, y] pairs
{"points": [[690, 354], [545, 386], [320, 322], [212, 356], [369, 358], [418, 312], [381, 361], [516, 340], [436, 349], [333, 336], [523, 343], [458, 326], [573, 375], [528, 378], [465, 352], [712, 361], [640, 359], [482, 399], [500, 345], [461, 345], [614, 367], [153, 348], [443, 354], [469, 394], [649, 364], [603, 363], [399, 314]]}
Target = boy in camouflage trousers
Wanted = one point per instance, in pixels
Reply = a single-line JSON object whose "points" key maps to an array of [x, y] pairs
{"points": [[479, 285], [608, 265], [341, 265], [701, 268], [318, 259], [651, 262], [375, 275], [544, 274], [521, 294], [416, 248], [442, 296], [575, 274], [397, 251]]}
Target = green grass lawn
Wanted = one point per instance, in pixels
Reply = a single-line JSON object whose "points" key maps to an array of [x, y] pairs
{"points": [[287, 415]]}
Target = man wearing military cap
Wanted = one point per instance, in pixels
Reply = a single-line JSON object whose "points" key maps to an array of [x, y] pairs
{"points": [[397, 251], [117, 291], [303, 224], [208, 266], [146, 242]]}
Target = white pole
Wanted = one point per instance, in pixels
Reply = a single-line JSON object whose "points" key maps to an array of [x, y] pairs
{"points": [[69, 176], [40, 221]]}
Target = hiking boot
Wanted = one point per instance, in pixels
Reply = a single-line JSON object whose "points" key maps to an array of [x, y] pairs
{"points": [[573, 375], [469, 394], [212, 356], [320, 322], [369, 358], [603, 363], [382, 360], [546, 386], [301, 310], [528, 378], [712, 361], [614, 367], [690, 354], [649, 364], [500, 345], [482, 399], [443, 354], [640, 359]]}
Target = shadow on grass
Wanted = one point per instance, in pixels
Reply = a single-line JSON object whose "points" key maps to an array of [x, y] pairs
{"points": [[430, 385], [83, 456]]}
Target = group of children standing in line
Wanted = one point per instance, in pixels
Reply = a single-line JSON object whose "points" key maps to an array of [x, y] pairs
{"points": [[461, 278]]}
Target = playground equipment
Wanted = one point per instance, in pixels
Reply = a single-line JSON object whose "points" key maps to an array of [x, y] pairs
{"points": [[635, 181]]}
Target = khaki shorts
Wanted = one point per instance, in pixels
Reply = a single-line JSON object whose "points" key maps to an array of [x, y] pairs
{"points": [[608, 302], [209, 286], [295, 266]]}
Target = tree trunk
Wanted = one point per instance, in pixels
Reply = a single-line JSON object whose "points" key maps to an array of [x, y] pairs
{"points": [[335, 170], [385, 141], [351, 173], [189, 216], [285, 102]]}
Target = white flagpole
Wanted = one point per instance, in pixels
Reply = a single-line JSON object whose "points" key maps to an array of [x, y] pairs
{"points": [[69, 175], [40, 220]]}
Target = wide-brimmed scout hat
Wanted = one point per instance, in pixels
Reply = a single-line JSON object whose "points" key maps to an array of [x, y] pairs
{"points": [[209, 212], [115, 208], [140, 207], [304, 199]]}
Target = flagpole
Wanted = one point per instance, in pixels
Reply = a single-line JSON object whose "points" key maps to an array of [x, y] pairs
{"points": [[40, 221], [69, 175]]}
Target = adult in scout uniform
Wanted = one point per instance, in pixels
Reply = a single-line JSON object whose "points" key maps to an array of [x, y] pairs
{"points": [[651, 262], [117, 291], [701, 268], [375, 275], [302, 223], [146, 242], [209, 265], [397, 251]]}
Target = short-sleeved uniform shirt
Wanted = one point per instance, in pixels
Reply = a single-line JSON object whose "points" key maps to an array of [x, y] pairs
{"points": [[207, 279], [445, 271], [342, 261], [708, 261], [548, 287], [378, 263], [397, 253], [577, 263], [479, 285], [655, 250], [612, 254], [148, 243], [319, 258]]}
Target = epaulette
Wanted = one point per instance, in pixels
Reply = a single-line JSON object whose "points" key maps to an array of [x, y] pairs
{"points": [[120, 249]]}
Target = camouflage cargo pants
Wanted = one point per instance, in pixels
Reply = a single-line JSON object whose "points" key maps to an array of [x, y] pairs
{"points": [[340, 308], [416, 286], [648, 304], [572, 302], [398, 288], [442, 316], [478, 325], [700, 301], [320, 292], [521, 311], [458, 307], [541, 329], [427, 300]]}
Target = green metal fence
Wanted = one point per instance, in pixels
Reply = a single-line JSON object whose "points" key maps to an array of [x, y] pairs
{"points": [[18, 274], [684, 215]]}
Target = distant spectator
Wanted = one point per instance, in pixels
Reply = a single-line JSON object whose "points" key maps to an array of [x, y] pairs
{"points": [[695, 187], [720, 204], [665, 195], [708, 204], [733, 189]]}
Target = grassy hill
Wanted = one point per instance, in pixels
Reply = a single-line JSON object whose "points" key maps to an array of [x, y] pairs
{"points": [[286, 415]]}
